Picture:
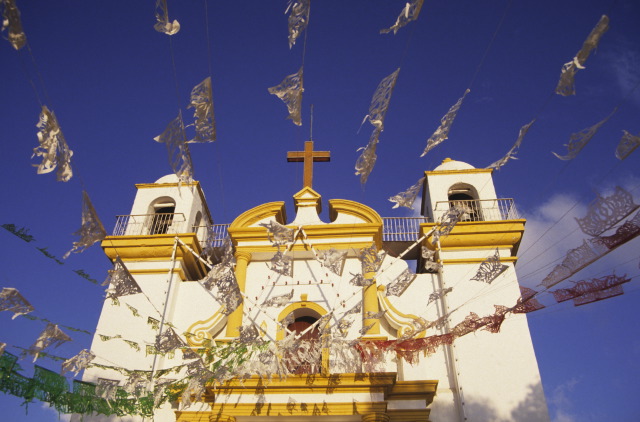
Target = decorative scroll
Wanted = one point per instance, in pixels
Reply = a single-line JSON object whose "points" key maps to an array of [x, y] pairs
{"points": [[428, 257], [514, 149], [298, 19], [371, 260], [380, 101], [278, 234], [490, 269], [442, 133], [77, 363], [400, 284], [121, 281], [566, 85], [605, 212], [179, 156], [526, 302], [290, 91], [53, 147], [278, 301], [596, 289], [368, 157], [409, 13], [438, 294], [11, 22], [628, 143], [202, 103], [168, 341], [22, 232], [282, 264], [52, 336], [91, 231], [579, 140], [333, 260], [162, 17], [575, 260], [11, 300], [408, 197]]}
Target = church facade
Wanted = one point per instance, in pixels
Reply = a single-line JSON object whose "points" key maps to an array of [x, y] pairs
{"points": [[283, 316]]}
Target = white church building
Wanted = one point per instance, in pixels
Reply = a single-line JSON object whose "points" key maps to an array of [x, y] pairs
{"points": [[360, 318]]}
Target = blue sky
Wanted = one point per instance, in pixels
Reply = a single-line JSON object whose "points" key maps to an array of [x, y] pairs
{"points": [[108, 76]]}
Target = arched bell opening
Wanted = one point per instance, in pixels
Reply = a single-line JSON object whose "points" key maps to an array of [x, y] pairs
{"points": [[162, 212], [464, 197]]}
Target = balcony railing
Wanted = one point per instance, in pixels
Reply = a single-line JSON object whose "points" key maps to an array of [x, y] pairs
{"points": [[146, 224], [395, 229], [480, 209]]}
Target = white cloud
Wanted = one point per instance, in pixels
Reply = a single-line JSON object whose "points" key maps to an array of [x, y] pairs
{"points": [[62, 417], [560, 402], [625, 65]]}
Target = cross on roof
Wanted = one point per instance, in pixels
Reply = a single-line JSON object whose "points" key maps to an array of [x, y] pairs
{"points": [[308, 156]]}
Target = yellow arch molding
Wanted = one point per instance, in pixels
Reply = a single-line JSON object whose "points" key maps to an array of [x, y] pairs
{"points": [[270, 209], [398, 320]]}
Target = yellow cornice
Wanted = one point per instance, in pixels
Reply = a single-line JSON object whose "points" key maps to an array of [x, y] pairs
{"points": [[274, 210], [175, 185], [408, 415], [224, 410], [157, 247], [479, 234], [467, 171]]}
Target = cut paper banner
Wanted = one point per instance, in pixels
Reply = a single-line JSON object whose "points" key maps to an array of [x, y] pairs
{"points": [[588, 291], [628, 143], [179, 156], [202, 103], [442, 133], [409, 13], [290, 92], [514, 149], [52, 336], [368, 157], [278, 234], [566, 85], [408, 197], [12, 24], [121, 281], [91, 231], [162, 19], [11, 300], [380, 101], [77, 363], [490, 269], [605, 212], [53, 147], [579, 140], [298, 18], [332, 259]]}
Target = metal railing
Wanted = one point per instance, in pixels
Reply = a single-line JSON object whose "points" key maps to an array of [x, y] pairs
{"points": [[480, 209], [146, 224], [394, 229], [401, 229]]}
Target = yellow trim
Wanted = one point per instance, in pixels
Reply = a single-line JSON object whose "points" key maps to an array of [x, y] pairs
{"points": [[234, 321], [156, 248], [356, 209], [175, 185], [225, 410], [261, 212], [467, 171], [292, 307], [395, 312], [479, 234], [178, 271], [408, 415], [315, 199]]}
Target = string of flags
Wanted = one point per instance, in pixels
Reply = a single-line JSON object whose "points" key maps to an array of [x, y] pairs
{"points": [[409, 13], [53, 147], [511, 154], [163, 24], [12, 25]]}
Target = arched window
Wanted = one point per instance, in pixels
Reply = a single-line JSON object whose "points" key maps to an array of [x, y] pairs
{"points": [[197, 222], [162, 212], [307, 359], [465, 197]]}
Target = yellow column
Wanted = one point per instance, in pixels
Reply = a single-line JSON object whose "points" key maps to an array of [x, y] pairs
{"points": [[235, 318], [370, 304]]}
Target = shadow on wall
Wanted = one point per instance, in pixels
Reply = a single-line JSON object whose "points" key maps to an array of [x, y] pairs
{"points": [[533, 408]]}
